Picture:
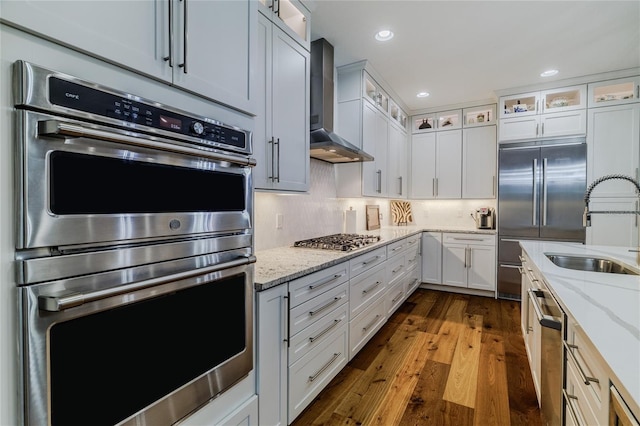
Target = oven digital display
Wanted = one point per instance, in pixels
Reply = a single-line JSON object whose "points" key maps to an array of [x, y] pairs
{"points": [[170, 123]]}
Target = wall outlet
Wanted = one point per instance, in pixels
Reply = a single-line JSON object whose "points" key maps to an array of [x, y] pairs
{"points": [[279, 220]]}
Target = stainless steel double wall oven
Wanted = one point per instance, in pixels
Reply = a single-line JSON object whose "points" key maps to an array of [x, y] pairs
{"points": [[134, 254]]}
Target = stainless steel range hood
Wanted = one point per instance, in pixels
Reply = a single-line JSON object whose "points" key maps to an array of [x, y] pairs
{"points": [[326, 145]]}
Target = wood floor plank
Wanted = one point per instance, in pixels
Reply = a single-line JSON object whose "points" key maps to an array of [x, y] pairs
{"points": [[423, 305], [462, 381], [392, 407], [491, 312], [436, 315], [373, 385], [444, 344], [492, 398]]}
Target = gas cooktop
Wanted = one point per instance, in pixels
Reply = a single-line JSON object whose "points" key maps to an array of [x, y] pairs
{"points": [[341, 242]]}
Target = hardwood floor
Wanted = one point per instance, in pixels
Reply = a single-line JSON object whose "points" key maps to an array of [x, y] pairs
{"points": [[441, 359]]}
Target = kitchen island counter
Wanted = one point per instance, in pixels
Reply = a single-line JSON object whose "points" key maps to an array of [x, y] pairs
{"points": [[606, 306], [282, 264]]}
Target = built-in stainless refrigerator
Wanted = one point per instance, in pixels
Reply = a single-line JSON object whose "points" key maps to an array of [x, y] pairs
{"points": [[541, 187]]}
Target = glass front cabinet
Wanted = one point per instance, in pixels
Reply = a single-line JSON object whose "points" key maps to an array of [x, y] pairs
{"points": [[479, 116], [375, 94], [614, 92]]}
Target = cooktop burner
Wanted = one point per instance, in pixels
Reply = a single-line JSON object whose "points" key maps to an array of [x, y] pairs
{"points": [[342, 242]]}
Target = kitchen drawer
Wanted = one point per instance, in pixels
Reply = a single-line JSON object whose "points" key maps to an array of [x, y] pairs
{"points": [[412, 257], [400, 246], [303, 289], [413, 280], [313, 336], [362, 328], [313, 310], [581, 407], [475, 239], [365, 288], [311, 373], [589, 361], [394, 296], [367, 261], [396, 268]]}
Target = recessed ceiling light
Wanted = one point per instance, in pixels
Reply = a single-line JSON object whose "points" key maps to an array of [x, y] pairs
{"points": [[384, 35], [548, 73], [422, 94]]}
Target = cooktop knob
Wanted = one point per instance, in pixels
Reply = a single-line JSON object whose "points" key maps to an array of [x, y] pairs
{"points": [[197, 128]]}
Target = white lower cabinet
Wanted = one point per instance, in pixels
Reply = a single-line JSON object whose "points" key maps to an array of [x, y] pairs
{"points": [[468, 260], [309, 328], [245, 415], [432, 257]]}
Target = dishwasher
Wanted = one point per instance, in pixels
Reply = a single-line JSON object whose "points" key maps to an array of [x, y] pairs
{"points": [[550, 316]]}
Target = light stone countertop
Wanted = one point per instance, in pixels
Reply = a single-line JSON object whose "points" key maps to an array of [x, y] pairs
{"points": [[606, 306], [282, 264]]}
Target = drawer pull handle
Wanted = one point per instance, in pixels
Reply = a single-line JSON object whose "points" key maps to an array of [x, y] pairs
{"points": [[326, 330], [468, 239], [397, 248], [367, 290], [368, 261], [521, 270], [398, 296], [368, 326], [397, 269], [325, 306], [571, 410], [324, 367], [325, 282], [586, 379]]}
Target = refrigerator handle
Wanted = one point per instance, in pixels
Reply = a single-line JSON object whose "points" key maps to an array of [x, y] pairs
{"points": [[534, 214], [544, 192]]}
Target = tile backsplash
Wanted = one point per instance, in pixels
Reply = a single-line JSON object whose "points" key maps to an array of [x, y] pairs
{"points": [[321, 212]]}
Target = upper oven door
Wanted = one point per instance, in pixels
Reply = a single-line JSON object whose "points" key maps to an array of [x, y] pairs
{"points": [[83, 184]]}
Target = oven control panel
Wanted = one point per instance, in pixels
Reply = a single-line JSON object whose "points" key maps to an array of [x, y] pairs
{"points": [[133, 112]]}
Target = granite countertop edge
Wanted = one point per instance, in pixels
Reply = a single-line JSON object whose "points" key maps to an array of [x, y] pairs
{"points": [[280, 265]]}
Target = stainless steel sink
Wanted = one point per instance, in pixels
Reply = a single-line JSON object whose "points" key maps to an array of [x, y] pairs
{"points": [[592, 264]]}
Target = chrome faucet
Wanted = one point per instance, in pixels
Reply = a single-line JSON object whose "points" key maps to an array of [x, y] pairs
{"points": [[586, 217]]}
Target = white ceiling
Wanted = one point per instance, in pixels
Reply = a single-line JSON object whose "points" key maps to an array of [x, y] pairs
{"points": [[461, 51]]}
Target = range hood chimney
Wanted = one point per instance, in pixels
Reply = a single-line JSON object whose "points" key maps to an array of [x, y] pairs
{"points": [[326, 145]]}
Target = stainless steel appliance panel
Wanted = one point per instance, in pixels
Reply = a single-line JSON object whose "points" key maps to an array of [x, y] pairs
{"points": [[551, 319], [564, 179], [156, 339], [519, 192], [509, 281]]}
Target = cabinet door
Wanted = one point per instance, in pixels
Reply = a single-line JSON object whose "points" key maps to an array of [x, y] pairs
{"points": [[140, 41], [262, 147], [432, 257], [423, 165], [290, 103], [397, 163], [375, 135], [519, 128], [563, 124], [614, 92], [214, 41], [454, 265], [449, 164], [271, 353], [479, 162], [482, 268], [613, 229], [613, 148]]}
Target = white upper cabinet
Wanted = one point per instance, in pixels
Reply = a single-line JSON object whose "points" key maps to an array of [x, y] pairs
{"points": [[479, 162], [374, 93], [166, 40], [398, 116], [281, 133], [444, 120], [484, 115], [614, 92], [436, 165], [550, 113], [291, 16]]}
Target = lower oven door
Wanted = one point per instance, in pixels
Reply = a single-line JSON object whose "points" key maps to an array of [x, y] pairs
{"points": [[149, 352], [83, 184]]}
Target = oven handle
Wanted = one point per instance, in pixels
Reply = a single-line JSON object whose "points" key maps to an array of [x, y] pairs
{"points": [[56, 127], [60, 303]]}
